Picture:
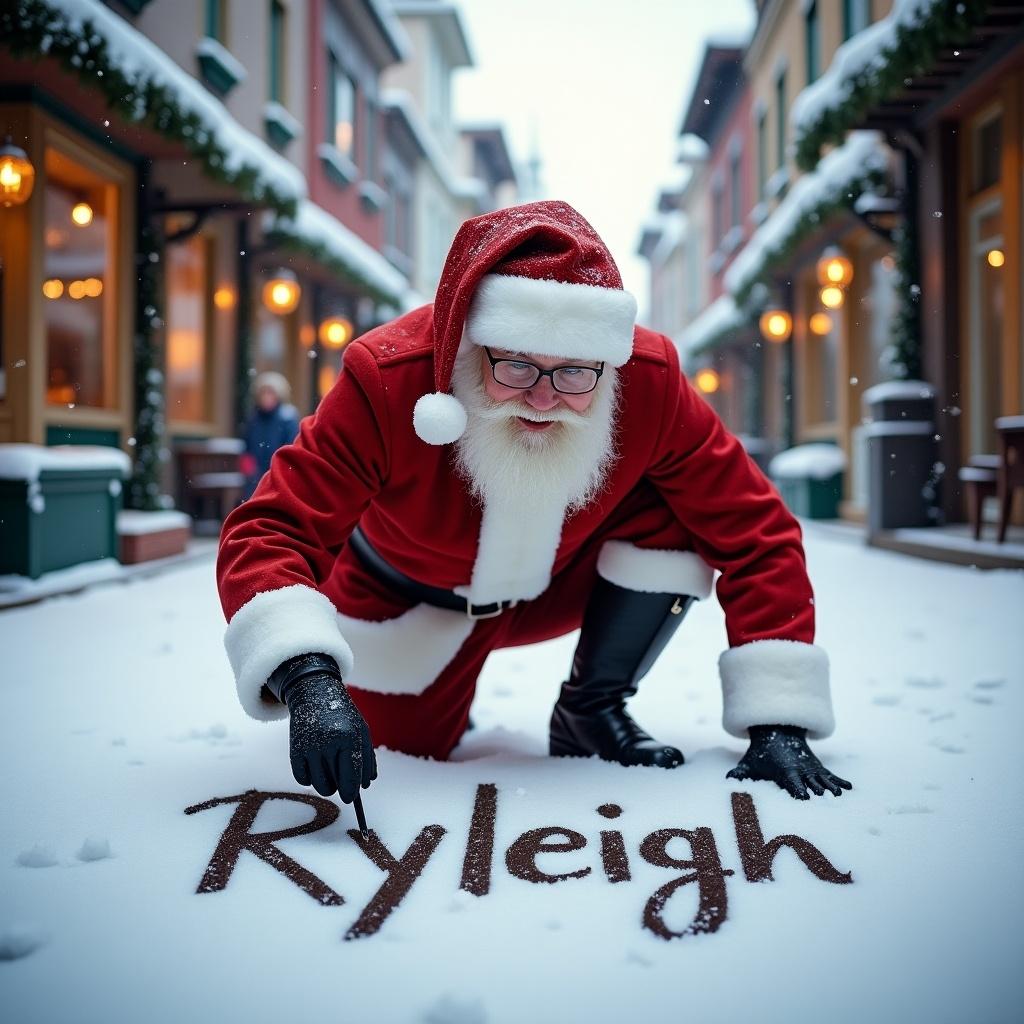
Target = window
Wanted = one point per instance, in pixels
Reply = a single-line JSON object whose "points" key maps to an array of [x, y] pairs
{"points": [[341, 110], [718, 211], [780, 119], [762, 153], [277, 50], [988, 152], [856, 17], [735, 188], [217, 19], [188, 320], [370, 140], [812, 37], [78, 284]]}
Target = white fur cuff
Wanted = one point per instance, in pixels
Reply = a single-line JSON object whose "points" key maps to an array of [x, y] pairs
{"points": [[776, 682], [273, 627], [554, 319], [655, 571]]}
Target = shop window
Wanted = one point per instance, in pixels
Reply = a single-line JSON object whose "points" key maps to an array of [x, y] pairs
{"points": [[217, 20], [856, 17], [79, 284], [277, 51], [812, 39], [762, 153], [988, 152], [821, 364], [780, 120], [987, 299], [735, 188], [271, 349], [188, 327]]}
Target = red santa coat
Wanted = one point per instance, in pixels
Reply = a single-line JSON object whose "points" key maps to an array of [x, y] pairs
{"points": [[289, 584]]}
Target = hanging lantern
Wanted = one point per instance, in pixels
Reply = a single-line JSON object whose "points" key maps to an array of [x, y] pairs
{"points": [[224, 297], [17, 175], [335, 332], [281, 293], [820, 324], [832, 297], [995, 257], [82, 214], [708, 381], [776, 325], [834, 269], [53, 288]]}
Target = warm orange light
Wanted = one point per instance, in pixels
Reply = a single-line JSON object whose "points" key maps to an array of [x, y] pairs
{"points": [[17, 175], [325, 379], [820, 323], [307, 335], [77, 290], [708, 381], [281, 294], [996, 257], [335, 332], [834, 269], [93, 287], [81, 214], [776, 325], [54, 288], [224, 298], [832, 297]]}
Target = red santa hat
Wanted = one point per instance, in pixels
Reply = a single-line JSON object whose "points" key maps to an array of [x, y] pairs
{"points": [[530, 279]]}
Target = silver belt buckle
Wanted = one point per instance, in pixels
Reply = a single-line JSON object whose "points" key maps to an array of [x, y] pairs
{"points": [[470, 614]]}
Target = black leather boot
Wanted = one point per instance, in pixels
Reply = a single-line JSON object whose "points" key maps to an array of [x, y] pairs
{"points": [[623, 633]]}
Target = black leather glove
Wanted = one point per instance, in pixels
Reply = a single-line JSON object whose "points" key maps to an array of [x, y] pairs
{"points": [[330, 741], [779, 754]]}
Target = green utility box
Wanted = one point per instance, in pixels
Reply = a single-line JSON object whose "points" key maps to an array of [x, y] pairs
{"points": [[810, 479], [58, 506]]}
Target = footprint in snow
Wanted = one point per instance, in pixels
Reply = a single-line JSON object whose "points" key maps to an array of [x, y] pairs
{"points": [[886, 700], [504, 691], [910, 809], [989, 684], [635, 957], [942, 716], [923, 683], [950, 748], [17, 941], [451, 1009]]}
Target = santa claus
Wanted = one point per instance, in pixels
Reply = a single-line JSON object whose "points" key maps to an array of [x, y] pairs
{"points": [[513, 462]]}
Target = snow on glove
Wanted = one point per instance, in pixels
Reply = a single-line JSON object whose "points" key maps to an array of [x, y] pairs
{"points": [[329, 739], [779, 754]]}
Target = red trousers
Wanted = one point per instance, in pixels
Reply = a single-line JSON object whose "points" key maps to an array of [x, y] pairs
{"points": [[432, 722]]}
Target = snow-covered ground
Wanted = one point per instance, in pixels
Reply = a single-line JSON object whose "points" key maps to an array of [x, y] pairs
{"points": [[119, 713]]}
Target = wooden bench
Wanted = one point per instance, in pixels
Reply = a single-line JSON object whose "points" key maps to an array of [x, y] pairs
{"points": [[210, 479]]}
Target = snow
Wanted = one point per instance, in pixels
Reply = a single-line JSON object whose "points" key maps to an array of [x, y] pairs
{"points": [[857, 54], [722, 315], [691, 149], [893, 390], [42, 855], [27, 461], [94, 849], [141, 60], [862, 152], [897, 428], [313, 225], [133, 524], [932, 831], [210, 47], [817, 461]]}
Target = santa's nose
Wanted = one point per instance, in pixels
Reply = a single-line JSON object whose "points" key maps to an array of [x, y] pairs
{"points": [[542, 396]]}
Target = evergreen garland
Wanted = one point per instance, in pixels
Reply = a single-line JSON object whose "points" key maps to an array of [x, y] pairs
{"points": [[916, 48], [37, 30], [903, 356], [144, 487]]}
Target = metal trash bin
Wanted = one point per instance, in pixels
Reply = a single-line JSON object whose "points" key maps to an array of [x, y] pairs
{"points": [[902, 454], [810, 479]]}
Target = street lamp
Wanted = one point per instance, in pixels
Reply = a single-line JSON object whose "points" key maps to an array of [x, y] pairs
{"points": [[335, 332], [82, 214], [820, 324], [776, 325], [17, 175], [708, 381], [832, 297], [281, 293], [834, 269]]}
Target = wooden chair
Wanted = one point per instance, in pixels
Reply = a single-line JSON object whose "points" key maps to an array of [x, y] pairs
{"points": [[210, 479], [1011, 466], [980, 479]]}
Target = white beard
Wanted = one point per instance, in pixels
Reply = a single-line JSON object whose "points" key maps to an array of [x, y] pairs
{"points": [[527, 482]]}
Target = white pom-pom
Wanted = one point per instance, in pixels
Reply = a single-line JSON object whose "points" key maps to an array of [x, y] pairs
{"points": [[439, 418]]}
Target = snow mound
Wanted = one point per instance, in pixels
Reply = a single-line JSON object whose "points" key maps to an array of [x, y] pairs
{"points": [[94, 849], [42, 855], [17, 941], [817, 461], [451, 1009]]}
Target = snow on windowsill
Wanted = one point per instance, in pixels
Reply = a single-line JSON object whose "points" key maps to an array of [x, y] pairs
{"points": [[808, 461], [211, 49], [891, 390], [27, 461], [135, 524]]}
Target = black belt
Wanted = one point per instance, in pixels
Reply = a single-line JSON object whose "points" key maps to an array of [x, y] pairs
{"points": [[413, 589]]}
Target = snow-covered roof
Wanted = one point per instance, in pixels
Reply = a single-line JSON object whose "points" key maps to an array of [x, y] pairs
{"points": [[314, 228], [816, 461], [863, 153], [458, 187], [721, 316], [142, 62], [691, 149], [27, 461], [673, 231]]}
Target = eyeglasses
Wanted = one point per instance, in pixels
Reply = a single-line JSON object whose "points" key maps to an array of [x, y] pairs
{"points": [[518, 373]]}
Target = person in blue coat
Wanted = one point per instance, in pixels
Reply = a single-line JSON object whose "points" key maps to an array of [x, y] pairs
{"points": [[273, 422]]}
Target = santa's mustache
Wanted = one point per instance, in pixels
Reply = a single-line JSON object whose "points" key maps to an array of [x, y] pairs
{"points": [[492, 410]]}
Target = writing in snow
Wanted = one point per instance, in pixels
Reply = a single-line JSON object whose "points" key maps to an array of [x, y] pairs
{"points": [[703, 867]]}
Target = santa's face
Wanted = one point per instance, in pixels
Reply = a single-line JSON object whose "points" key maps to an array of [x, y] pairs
{"points": [[542, 399]]}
